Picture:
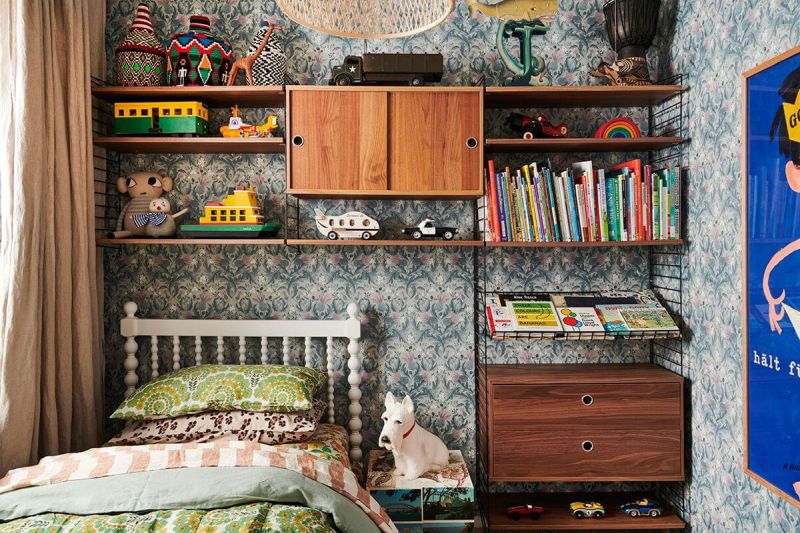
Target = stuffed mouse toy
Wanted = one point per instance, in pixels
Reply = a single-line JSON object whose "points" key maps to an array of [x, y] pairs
{"points": [[142, 187]]}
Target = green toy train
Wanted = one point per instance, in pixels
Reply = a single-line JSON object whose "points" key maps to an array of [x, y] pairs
{"points": [[160, 118]]}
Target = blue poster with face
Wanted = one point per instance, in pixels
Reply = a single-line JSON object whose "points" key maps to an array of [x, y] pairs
{"points": [[772, 273]]}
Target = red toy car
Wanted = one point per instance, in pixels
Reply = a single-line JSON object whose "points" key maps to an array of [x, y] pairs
{"points": [[517, 511], [535, 128]]}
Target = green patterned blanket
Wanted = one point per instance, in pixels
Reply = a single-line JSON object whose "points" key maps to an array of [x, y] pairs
{"points": [[261, 517]]}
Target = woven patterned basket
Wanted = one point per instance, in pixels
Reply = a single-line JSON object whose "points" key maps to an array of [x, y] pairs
{"points": [[368, 19]]}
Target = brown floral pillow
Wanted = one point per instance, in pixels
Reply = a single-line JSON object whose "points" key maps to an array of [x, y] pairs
{"points": [[267, 428]]}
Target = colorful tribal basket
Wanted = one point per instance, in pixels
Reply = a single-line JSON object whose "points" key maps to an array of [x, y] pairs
{"points": [[140, 57], [269, 67], [197, 57]]}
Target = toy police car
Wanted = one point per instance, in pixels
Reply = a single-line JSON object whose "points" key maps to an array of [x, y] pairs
{"points": [[427, 228]]}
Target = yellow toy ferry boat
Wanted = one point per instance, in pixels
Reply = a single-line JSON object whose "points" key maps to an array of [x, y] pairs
{"points": [[239, 207], [238, 215]]}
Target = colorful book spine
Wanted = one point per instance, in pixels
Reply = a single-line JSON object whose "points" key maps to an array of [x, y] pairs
{"points": [[558, 181], [494, 215], [502, 207], [602, 204], [573, 207], [613, 211], [553, 210]]}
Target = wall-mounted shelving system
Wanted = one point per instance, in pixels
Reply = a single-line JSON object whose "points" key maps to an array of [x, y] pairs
{"points": [[663, 144], [666, 259]]}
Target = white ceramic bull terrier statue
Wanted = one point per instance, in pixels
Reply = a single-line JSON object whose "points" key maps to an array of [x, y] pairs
{"points": [[416, 450]]}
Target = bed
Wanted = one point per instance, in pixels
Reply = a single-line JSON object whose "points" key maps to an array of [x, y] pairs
{"points": [[220, 484]]}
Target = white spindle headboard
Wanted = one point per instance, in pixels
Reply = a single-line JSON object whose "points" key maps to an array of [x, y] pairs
{"points": [[132, 327]]}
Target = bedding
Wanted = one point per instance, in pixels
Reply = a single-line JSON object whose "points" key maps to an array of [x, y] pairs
{"points": [[197, 389], [180, 477], [266, 428], [263, 517]]}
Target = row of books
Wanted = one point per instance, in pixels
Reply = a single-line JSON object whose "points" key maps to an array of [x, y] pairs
{"points": [[630, 202], [613, 313]]}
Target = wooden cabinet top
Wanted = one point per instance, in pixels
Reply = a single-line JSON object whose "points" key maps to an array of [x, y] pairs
{"points": [[384, 88], [581, 373]]}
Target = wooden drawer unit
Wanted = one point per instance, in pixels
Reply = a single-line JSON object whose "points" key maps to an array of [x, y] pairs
{"points": [[385, 142], [583, 422]]}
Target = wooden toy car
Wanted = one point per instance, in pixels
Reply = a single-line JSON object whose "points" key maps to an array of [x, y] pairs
{"points": [[160, 118], [352, 225], [643, 507], [535, 128], [587, 510], [516, 511], [411, 69], [427, 228]]}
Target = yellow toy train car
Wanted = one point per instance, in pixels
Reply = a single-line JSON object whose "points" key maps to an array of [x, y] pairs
{"points": [[160, 118]]}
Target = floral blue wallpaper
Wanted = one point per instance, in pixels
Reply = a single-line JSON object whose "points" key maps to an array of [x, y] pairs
{"points": [[417, 302]]}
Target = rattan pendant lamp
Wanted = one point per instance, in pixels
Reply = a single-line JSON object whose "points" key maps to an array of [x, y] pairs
{"points": [[368, 19]]}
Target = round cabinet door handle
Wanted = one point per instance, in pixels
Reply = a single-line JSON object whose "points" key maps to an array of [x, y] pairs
{"points": [[298, 140], [587, 399], [587, 445], [472, 142]]}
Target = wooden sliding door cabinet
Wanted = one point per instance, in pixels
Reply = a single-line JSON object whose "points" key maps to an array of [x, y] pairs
{"points": [[413, 142]]}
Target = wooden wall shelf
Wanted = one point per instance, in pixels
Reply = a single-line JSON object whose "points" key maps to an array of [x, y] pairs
{"points": [[642, 144], [243, 96], [385, 242], [192, 145], [381, 242], [609, 244], [556, 516], [578, 96], [174, 241]]}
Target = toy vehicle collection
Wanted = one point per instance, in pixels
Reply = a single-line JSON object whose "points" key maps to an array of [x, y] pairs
{"points": [[428, 228], [515, 512], [643, 507], [352, 225], [391, 69], [535, 127], [587, 510]]}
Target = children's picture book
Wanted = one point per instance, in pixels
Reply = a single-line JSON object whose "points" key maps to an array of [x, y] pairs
{"points": [[579, 319], [623, 318], [497, 315], [533, 312]]}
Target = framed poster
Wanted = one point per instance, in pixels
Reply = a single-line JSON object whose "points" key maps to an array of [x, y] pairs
{"points": [[771, 273]]}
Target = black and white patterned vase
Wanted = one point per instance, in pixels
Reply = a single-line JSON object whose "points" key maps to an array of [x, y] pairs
{"points": [[270, 66]]}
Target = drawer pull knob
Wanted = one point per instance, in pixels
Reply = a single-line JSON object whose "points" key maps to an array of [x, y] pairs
{"points": [[587, 446], [298, 140], [587, 399], [472, 142]]}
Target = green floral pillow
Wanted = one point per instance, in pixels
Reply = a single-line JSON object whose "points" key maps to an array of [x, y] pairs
{"points": [[196, 389]]}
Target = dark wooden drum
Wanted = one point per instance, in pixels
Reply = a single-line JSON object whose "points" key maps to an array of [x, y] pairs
{"points": [[631, 25]]}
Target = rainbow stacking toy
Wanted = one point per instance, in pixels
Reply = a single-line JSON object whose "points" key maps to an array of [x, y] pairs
{"points": [[618, 128]]}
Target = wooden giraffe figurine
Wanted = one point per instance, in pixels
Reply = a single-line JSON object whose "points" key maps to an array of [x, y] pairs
{"points": [[246, 62]]}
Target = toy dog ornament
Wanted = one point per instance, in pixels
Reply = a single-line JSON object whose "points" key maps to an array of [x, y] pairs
{"points": [[416, 450]]}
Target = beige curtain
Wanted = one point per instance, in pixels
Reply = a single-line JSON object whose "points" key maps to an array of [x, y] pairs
{"points": [[51, 364]]}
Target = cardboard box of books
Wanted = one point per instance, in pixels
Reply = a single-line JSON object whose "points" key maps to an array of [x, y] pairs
{"points": [[440, 502]]}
